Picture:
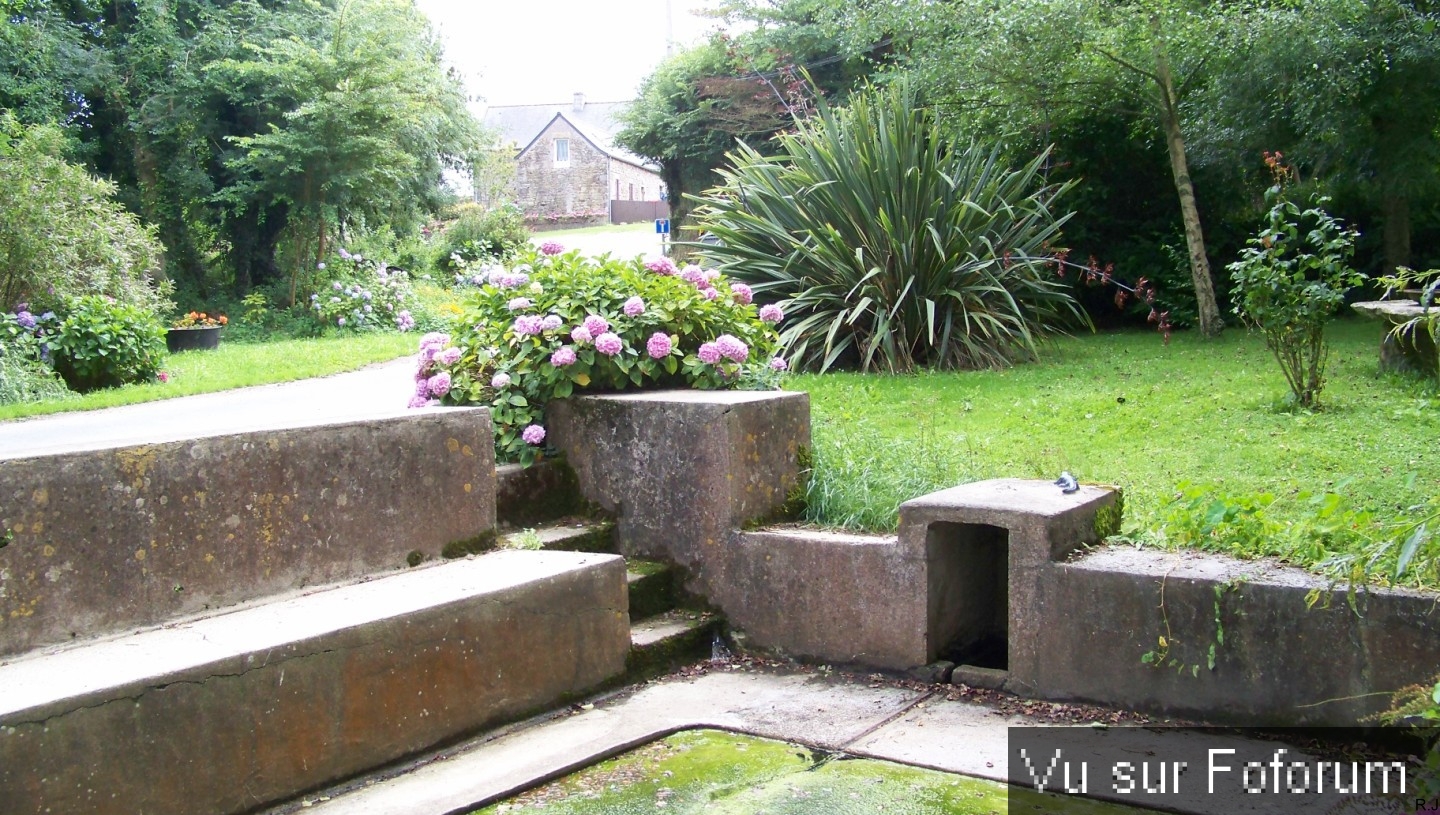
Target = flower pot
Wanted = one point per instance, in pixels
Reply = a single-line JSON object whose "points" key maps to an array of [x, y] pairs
{"points": [[201, 338]]}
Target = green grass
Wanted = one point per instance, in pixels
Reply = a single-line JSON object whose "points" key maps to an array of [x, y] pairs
{"points": [[1128, 410], [237, 365]]}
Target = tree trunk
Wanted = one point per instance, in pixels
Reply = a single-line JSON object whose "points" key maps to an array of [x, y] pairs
{"points": [[1210, 323], [1396, 214]]}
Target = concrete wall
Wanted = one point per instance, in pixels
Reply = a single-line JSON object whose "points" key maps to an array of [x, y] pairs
{"points": [[108, 540], [1277, 661], [828, 597], [1007, 558], [681, 470], [229, 713]]}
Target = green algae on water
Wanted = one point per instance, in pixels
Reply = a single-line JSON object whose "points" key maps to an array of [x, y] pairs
{"points": [[720, 773]]}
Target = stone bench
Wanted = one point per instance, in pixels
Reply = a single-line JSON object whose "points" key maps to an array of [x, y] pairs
{"points": [[1412, 351]]}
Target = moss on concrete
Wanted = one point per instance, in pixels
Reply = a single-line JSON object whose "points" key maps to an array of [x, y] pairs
{"points": [[479, 544], [1108, 518], [713, 771]]}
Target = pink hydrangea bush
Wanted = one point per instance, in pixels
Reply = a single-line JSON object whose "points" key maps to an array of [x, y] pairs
{"points": [[552, 325]]}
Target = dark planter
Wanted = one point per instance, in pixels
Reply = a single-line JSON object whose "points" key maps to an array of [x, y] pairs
{"points": [[203, 338]]}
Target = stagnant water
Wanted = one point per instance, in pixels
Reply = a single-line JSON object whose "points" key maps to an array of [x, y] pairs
{"points": [[720, 773]]}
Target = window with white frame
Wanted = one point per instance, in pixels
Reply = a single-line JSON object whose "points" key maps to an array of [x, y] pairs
{"points": [[562, 152]]}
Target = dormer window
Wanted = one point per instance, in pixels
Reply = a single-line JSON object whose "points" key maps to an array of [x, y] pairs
{"points": [[562, 152]]}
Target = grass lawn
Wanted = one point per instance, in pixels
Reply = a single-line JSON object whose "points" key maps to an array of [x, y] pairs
{"points": [[1127, 409], [238, 365]]}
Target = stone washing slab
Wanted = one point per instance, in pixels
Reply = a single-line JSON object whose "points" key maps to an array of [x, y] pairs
{"points": [[225, 714], [825, 713], [112, 539]]}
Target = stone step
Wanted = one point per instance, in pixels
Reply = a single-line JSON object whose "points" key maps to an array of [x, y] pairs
{"points": [[228, 713], [669, 640], [564, 536], [536, 495], [654, 587]]}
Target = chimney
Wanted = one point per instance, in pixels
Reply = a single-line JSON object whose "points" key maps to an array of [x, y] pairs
{"points": [[579, 106]]}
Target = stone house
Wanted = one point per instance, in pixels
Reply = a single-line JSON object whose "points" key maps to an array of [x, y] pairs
{"points": [[568, 169]]}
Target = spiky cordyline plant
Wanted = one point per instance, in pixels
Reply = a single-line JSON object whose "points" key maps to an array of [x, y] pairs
{"points": [[892, 246]]}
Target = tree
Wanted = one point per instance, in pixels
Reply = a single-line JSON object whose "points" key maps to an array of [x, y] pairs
{"points": [[1348, 90], [213, 116], [699, 103], [1021, 66], [363, 119], [690, 111]]}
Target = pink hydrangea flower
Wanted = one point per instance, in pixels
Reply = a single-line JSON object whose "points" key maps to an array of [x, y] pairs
{"points": [[609, 344], [422, 388], [710, 275], [533, 434], [710, 294], [693, 274], [529, 324], [499, 380], [551, 248], [449, 356], [709, 353], [771, 313], [163, 377], [596, 325], [518, 303], [508, 280], [661, 266], [659, 345], [435, 340], [732, 348], [582, 336], [564, 355], [418, 401], [742, 293], [440, 384], [551, 322], [634, 307], [779, 364]]}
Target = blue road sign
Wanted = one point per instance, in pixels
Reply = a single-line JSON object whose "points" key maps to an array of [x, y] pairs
{"points": [[662, 226]]}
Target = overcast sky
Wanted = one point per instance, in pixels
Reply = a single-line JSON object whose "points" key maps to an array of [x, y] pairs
{"points": [[545, 51]]}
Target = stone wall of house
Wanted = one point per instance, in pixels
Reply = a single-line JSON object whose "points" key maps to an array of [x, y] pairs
{"points": [[575, 193], [631, 183]]}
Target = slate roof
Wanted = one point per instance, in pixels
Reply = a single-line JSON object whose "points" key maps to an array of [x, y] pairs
{"points": [[598, 122]]}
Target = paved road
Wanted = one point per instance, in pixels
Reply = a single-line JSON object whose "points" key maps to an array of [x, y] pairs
{"points": [[379, 390], [623, 243]]}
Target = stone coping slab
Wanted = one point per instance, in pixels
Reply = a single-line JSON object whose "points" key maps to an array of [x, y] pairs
{"points": [[378, 391], [871, 720]]}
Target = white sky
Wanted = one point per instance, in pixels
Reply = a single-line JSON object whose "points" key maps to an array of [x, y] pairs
{"points": [[515, 52]]}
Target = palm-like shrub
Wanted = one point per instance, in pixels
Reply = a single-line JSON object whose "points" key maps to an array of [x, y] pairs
{"points": [[892, 246]]}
